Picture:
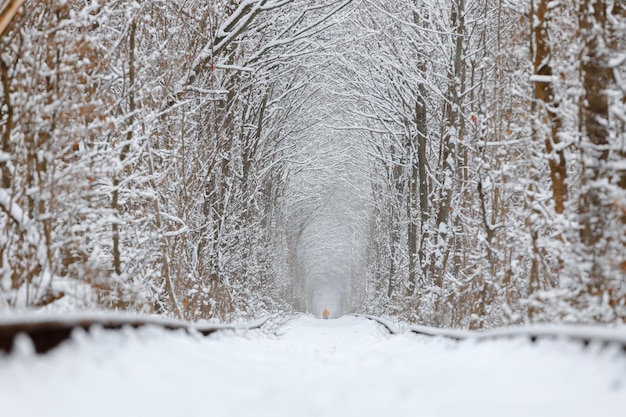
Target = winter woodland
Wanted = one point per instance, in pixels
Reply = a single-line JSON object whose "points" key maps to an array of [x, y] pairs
{"points": [[457, 163]]}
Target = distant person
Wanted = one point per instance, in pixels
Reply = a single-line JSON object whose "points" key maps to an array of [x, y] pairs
{"points": [[325, 313]]}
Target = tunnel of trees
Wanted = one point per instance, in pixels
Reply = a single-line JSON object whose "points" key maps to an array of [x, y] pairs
{"points": [[455, 163]]}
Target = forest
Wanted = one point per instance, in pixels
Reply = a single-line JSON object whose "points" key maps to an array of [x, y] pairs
{"points": [[454, 163]]}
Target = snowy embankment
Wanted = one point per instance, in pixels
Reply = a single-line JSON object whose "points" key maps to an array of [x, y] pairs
{"points": [[309, 367]]}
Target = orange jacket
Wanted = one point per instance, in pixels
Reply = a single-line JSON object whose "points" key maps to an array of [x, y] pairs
{"points": [[325, 313]]}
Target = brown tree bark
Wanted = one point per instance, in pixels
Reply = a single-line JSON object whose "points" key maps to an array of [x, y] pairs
{"points": [[544, 94], [7, 12], [597, 77], [7, 177], [595, 207]]}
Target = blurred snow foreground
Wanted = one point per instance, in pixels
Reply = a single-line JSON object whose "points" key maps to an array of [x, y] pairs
{"points": [[309, 367]]}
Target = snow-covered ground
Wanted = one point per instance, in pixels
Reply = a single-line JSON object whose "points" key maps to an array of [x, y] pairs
{"points": [[310, 367]]}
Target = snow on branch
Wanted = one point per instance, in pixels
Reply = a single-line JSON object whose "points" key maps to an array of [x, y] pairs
{"points": [[16, 213]]}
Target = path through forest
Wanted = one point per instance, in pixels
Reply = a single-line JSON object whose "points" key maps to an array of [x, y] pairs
{"points": [[310, 367]]}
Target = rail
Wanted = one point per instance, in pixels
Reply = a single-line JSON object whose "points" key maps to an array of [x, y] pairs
{"points": [[48, 332], [586, 335]]}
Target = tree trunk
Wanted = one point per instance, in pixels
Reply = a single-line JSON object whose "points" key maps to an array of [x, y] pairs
{"points": [[117, 263], [597, 78], [450, 136], [545, 96], [8, 12]]}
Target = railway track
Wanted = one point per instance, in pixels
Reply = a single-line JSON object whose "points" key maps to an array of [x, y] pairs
{"points": [[48, 332], [586, 335], [347, 366]]}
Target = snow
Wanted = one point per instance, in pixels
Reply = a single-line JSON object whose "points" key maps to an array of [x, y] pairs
{"points": [[310, 367], [537, 78], [111, 318], [573, 332]]}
